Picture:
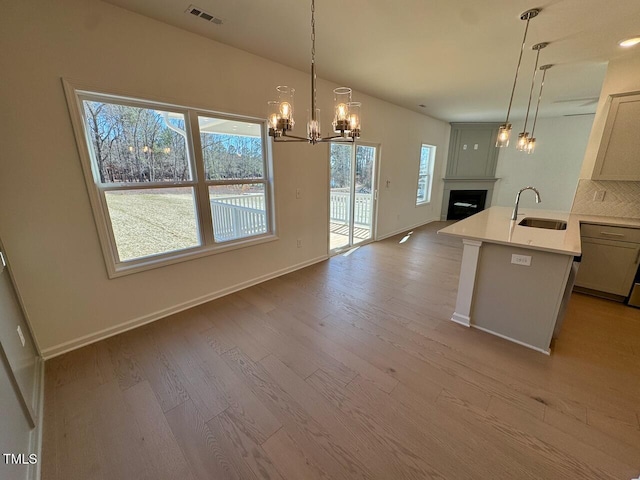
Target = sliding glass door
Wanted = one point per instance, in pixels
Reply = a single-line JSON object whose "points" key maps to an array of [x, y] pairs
{"points": [[352, 195]]}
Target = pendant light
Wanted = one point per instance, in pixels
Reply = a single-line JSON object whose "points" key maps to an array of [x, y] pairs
{"points": [[504, 132], [523, 137], [531, 142], [346, 120]]}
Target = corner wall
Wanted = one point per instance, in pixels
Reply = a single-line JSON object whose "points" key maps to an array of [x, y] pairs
{"points": [[553, 168], [46, 220]]}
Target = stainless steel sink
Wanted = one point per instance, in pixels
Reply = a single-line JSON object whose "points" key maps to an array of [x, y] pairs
{"points": [[548, 223]]}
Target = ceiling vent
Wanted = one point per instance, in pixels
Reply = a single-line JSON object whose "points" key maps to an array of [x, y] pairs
{"points": [[198, 12]]}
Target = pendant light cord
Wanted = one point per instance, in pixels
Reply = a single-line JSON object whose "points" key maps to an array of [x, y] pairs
{"points": [[313, 60], [515, 80], [533, 81], [535, 119]]}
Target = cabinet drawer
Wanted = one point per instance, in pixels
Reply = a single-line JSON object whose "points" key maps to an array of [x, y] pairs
{"points": [[606, 232]]}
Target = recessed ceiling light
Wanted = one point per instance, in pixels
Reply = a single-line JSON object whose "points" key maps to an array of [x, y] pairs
{"points": [[630, 42]]}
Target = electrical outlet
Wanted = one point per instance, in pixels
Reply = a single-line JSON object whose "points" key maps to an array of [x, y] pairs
{"points": [[598, 195], [299, 243], [20, 335], [298, 193], [524, 260]]}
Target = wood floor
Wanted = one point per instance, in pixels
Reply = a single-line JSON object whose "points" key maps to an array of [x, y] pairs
{"points": [[349, 369]]}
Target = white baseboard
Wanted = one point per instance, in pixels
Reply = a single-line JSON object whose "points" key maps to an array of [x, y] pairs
{"points": [[65, 347], [405, 229], [461, 319], [35, 439], [537, 349]]}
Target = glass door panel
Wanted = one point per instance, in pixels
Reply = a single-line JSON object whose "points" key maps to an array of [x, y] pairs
{"points": [[352, 195], [364, 194], [340, 196]]}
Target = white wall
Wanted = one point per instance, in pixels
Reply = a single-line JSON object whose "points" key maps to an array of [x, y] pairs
{"points": [[553, 168], [45, 218]]}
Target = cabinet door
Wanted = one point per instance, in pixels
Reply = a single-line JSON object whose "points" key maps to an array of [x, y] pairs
{"points": [[608, 266], [16, 344], [619, 153]]}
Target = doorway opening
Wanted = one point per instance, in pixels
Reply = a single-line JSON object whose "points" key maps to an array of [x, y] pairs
{"points": [[352, 195]]}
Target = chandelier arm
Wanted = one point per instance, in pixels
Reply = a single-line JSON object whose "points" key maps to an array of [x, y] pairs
{"points": [[335, 137], [515, 80], [290, 138], [336, 140]]}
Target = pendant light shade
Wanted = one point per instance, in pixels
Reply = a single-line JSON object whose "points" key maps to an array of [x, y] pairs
{"points": [[346, 120], [523, 137], [504, 131]]}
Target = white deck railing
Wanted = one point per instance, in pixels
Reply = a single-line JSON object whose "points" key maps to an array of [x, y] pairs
{"points": [[238, 216], [242, 216], [339, 207]]}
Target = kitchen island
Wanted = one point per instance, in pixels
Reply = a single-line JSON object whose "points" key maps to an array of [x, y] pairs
{"points": [[515, 280]]}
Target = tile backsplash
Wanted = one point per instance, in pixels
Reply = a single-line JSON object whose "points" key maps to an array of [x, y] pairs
{"points": [[622, 199]]}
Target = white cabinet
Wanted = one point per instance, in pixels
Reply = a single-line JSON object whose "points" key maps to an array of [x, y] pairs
{"points": [[609, 259], [619, 154]]}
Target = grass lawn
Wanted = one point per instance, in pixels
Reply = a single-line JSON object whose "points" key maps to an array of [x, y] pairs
{"points": [[147, 223]]}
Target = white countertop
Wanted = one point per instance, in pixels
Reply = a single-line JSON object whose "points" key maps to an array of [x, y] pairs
{"points": [[494, 225]]}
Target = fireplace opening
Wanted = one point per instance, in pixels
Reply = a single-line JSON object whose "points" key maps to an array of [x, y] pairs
{"points": [[464, 203]]}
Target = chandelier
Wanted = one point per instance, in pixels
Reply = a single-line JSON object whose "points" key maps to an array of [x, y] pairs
{"points": [[346, 120]]}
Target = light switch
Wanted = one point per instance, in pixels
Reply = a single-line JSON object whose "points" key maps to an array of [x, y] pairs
{"points": [[475, 147], [20, 335], [464, 147]]}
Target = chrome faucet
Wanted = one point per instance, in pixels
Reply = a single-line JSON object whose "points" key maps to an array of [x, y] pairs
{"points": [[515, 210]]}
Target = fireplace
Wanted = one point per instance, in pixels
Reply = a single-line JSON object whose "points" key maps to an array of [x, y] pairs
{"points": [[459, 188], [464, 203]]}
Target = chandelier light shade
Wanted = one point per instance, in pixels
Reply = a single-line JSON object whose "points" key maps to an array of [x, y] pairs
{"points": [[313, 125], [342, 99], [504, 131], [531, 142], [346, 120], [523, 137], [354, 118]]}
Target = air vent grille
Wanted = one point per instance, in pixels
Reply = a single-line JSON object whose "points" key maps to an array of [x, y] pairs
{"points": [[198, 12]]}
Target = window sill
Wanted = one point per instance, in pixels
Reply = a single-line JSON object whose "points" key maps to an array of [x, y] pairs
{"points": [[157, 261], [422, 204]]}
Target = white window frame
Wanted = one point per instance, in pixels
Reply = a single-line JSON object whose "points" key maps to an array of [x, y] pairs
{"points": [[76, 93], [428, 176]]}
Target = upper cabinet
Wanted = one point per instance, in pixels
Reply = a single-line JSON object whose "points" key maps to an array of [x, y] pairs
{"points": [[619, 154], [472, 150]]}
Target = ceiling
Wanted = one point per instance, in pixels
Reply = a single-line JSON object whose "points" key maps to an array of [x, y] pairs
{"points": [[456, 57]]}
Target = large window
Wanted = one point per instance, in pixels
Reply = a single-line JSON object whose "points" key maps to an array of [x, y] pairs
{"points": [[169, 183], [425, 174]]}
